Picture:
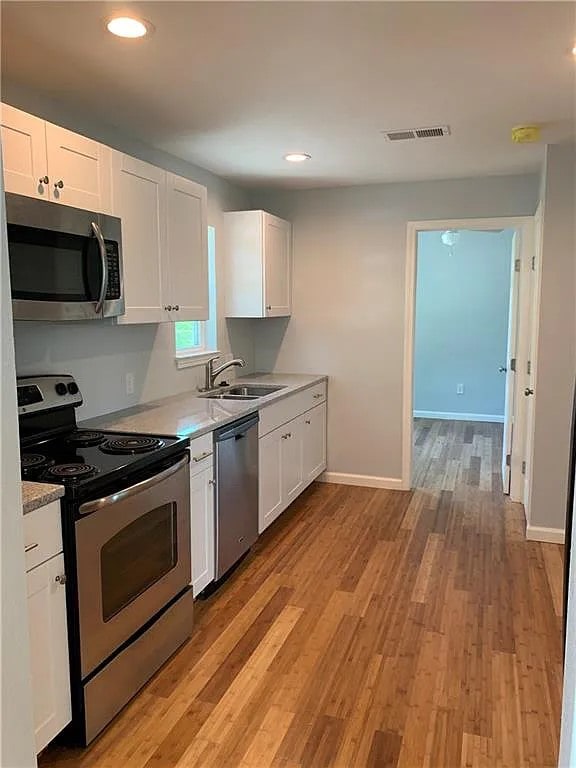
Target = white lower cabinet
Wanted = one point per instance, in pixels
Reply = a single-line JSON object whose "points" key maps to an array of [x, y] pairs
{"points": [[291, 457], [48, 632], [314, 443], [202, 512]]}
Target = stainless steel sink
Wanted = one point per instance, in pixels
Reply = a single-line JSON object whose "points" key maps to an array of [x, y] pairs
{"points": [[243, 392], [254, 390], [227, 396]]}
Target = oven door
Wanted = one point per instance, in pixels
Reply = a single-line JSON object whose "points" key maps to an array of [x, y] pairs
{"points": [[65, 263], [132, 559]]}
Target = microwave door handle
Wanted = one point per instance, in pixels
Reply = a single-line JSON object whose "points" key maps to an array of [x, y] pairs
{"points": [[102, 248], [125, 493]]}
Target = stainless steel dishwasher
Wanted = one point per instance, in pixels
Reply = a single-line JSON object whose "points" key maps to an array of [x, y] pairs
{"points": [[236, 447]]}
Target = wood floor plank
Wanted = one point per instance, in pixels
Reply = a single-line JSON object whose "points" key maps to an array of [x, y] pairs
{"points": [[368, 628]]}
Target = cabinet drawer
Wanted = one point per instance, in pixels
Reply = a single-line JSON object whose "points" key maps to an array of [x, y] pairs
{"points": [[42, 534], [201, 453], [273, 416]]}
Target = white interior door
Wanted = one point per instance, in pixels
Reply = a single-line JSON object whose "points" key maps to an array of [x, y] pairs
{"points": [[530, 371], [509, 367]]}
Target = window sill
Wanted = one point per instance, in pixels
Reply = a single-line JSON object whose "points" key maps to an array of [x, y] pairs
{"points": [[193, 359]]}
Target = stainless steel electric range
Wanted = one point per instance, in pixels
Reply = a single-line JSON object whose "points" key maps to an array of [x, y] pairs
{"points": [[126, 532]]}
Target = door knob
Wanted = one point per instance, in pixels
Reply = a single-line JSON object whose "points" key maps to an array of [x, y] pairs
{"points": [[528, 391], [59, 185], [502, 369]]}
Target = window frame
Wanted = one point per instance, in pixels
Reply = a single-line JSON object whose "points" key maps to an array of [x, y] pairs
{"points": [[208, 329]]}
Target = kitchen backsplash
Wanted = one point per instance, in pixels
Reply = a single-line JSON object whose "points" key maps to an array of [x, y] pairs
{"points": [[100, 355]]}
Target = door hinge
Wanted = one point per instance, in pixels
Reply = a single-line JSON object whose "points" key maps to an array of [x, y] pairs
{"points": [[508, 459], [529, 367], [533, 262], [517, 265], [513, 364], [523, 467]]}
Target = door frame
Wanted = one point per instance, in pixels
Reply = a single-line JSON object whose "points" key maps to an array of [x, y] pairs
{"points": [[524, 226]]}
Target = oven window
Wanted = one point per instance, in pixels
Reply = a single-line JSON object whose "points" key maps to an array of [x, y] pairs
{"points": [[136, 557]]}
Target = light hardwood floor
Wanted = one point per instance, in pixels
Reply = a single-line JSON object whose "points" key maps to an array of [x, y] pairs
{"points": [[368, 628]]}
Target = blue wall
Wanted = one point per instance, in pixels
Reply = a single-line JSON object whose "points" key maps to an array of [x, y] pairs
{"points": [[462, 305]]}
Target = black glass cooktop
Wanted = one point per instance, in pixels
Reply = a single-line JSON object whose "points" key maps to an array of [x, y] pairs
{"points": [[82, 459]]}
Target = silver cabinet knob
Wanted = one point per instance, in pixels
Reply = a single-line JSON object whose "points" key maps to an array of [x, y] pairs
{"points": [[59, 185], [502, 369], [528, 391], [307, 421], [61, 579], [43, 180], [168, 308], [176, 307], [269, 307], [211, 482]]}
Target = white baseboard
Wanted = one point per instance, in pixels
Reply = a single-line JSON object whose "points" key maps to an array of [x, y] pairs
{"points": [[548, 535], [368, 481], [459, 416]]}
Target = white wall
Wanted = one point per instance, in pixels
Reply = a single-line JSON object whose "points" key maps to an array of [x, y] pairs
{"points": [[348, 310], [16, 735], [461, 323], [556, 369], [99, 354]]}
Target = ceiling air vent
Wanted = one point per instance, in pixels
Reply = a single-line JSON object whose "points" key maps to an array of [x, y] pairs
{"points": [[417, 133]]}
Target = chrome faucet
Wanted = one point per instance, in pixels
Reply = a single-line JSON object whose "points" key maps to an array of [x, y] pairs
{"points": [[211, 373]]}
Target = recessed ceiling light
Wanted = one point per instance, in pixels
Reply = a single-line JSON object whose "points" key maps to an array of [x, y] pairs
{"points": [[126, 26], [297, 157]]}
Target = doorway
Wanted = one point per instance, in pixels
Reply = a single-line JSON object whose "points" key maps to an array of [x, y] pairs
{"points": [[468, 297]]}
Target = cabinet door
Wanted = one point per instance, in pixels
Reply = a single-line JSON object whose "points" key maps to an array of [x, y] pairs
{"points": [[79, 169], [24, 153], [187, 248], [271, 502], [139, 199], [277, 266], [202, 528], [292, 460], [49, 650], [314, 442]]}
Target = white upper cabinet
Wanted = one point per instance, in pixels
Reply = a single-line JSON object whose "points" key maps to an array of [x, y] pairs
{"points": [[46, 161], [186, 265], [139, 199], [164, 242], [258, 265], [24, 153], [79, 170]]}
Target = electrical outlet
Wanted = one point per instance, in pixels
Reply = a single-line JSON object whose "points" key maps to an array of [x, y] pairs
{"points": [[129, 383], [459, 389]]}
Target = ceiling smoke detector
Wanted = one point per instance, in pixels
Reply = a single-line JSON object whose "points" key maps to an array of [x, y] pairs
{"points": [[407, 134]]}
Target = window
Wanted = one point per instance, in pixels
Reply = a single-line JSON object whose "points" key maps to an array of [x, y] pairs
{"points": [[195, 337]]}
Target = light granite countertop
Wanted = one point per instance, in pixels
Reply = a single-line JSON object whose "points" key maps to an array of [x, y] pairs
{"points": [[188, 415], [36, 495]]}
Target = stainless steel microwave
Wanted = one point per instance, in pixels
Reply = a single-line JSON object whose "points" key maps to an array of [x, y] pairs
{"points": [[65, 263]]}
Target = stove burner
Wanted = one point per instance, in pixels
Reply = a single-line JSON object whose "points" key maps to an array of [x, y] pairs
{"points": [[32, 460], [70, 472], [84, 437], [132, 444]]}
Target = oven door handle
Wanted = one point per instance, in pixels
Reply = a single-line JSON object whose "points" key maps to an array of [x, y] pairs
{"points": [[92, 506], [104, 259]]}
